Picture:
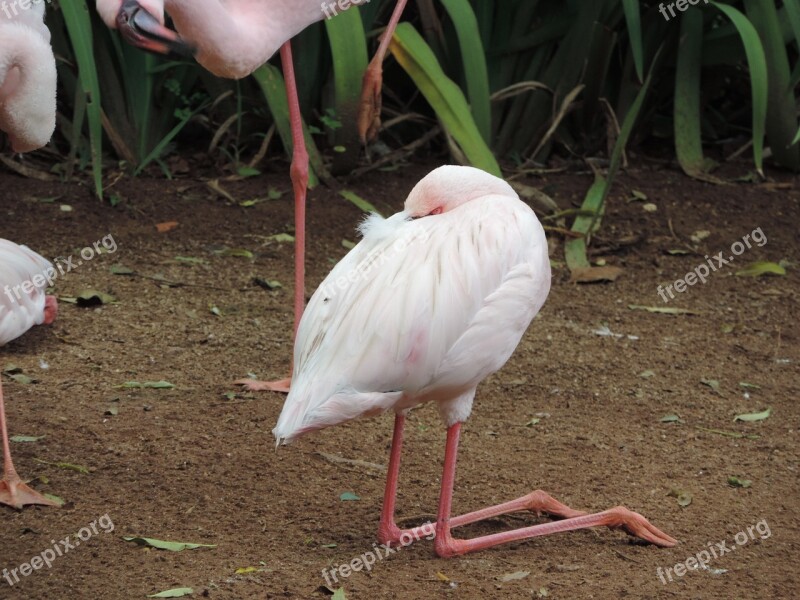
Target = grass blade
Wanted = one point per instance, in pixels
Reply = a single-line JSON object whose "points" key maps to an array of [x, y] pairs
{"points": [[757, 61], [79, 27], [474, 58], [444, 96]]}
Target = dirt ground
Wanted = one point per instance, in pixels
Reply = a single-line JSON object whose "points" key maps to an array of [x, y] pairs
{"points": [[196, 463]]}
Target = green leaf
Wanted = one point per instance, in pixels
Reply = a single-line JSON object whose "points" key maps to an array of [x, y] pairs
{"points": [[473, 58], [757, 62], [594, 202], [759, 416], [339, 595], [444, 96], [759, 268], [349, 56], [634, 23], [688, 141], [235, 252], [736, 482], [65, 465], [94, 298], [666, 310], [174, 593], [77, 18], [156, 385], [367, 207], [281, 237], [348, 497], [26, 438], [670, 419], [165, 545], [684, 497]]}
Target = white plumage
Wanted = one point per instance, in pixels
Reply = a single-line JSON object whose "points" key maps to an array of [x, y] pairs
{"points": [[422, 309], [27, 77], [23, 304], [20, 310]]}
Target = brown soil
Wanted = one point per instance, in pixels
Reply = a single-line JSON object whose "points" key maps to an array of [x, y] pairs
{"points": [[194, 464]]}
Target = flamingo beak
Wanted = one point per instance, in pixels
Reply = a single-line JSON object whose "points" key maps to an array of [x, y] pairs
{"points": [[143, 30]]}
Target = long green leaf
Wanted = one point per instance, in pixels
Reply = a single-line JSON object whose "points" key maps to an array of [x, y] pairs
{"points": [[633, 19], [474, 60], [781, 110], [594, 203], [444, 96], [79, 28], [757, 61], [349, 53], [688, 140]]}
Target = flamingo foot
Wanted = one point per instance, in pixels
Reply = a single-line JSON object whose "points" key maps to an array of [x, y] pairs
{"points": [[618, 517], [253, 385], [369, 112], [16, 494]]}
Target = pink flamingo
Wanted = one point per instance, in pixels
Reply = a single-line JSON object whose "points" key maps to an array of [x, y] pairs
{"points": [[27, 78], [232, 38], [23, 304], [430, 302]]}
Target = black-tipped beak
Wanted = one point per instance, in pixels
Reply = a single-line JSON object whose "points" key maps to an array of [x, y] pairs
{"points": [[141, 29]]}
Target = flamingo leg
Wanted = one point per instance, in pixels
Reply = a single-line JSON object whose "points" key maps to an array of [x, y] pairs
{"points": [[447, 546], [389, 533], [369, 115], [13, 491], [299, 176]]}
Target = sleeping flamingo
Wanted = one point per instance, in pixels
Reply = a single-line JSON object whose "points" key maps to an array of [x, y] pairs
{"points": [[430, 302], [232, 38], [23, 304], [27, 78]]}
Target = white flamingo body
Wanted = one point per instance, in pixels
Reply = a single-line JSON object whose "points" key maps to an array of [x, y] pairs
{"points": [[27, 79], [420, 310], [232, 37], [23, 304], [19, 311]]}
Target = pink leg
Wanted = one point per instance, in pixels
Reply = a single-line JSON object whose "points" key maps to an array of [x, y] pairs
{"points": [[447, 546], [369, 117], [299, 175], [12, 491], [389, 533]]}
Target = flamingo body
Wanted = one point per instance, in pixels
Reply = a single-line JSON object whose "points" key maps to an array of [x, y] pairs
{"points": [[21, 310], [232, 37], [27, 79], [23, 304], [421, 309]]}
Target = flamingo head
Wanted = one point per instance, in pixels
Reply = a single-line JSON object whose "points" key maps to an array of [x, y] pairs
{"points": [[50, 309], [449, 187], [141, 24]]}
